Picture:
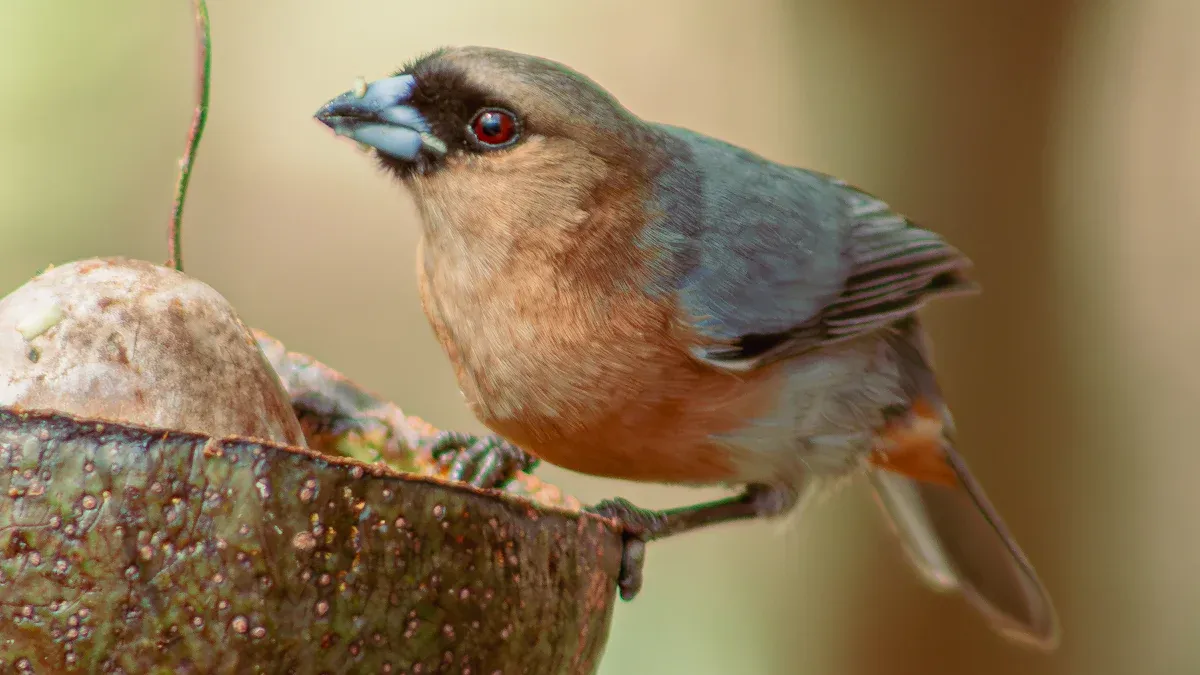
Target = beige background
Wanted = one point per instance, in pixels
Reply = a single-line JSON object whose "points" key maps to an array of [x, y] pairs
{"points": [[1057, 142]]}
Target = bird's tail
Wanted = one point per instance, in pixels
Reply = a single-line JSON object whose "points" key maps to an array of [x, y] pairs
{"points": [[949, 529]]}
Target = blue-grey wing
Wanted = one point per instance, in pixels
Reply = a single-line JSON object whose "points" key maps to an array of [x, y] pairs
{"points": [[783, 261]]}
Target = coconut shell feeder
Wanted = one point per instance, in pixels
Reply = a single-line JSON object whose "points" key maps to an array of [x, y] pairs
{"points": [[181, 494]]}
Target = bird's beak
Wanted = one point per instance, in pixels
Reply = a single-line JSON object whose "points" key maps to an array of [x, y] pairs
{"points": [[376, 115]]}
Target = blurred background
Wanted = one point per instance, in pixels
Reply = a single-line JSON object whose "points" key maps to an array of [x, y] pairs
{"points": [[1056, 142]]}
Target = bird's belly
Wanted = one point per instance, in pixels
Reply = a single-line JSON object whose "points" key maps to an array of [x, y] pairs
{"points": [[645, 457], [658, 420], [641, 430]]}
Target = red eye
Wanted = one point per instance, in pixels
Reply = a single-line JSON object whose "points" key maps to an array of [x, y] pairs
{"points": [[494, 128]]}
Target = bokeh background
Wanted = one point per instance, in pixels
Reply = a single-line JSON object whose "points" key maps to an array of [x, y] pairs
{"points": [[1057, 142]]}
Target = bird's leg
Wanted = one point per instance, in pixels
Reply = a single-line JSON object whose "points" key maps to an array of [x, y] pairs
{"points": [[484, 462], [641, 525]]}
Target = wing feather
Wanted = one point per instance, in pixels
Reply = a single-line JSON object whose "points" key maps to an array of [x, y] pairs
{"points": [[895, 269]]}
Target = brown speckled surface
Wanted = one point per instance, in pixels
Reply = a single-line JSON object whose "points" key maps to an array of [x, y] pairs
{"points": [[125, 547]]}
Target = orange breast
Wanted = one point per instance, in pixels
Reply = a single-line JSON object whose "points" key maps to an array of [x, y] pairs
{"points": [[555, 343]]}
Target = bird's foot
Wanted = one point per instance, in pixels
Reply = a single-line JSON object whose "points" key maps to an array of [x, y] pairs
{"points": [[641, 525], [483, 462], [638, 525]]}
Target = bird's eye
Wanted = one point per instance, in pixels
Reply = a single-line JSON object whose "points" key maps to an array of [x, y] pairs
{"points": [[494, 128]]}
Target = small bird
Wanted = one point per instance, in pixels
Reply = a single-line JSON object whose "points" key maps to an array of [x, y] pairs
{"points": [[635, 300]]}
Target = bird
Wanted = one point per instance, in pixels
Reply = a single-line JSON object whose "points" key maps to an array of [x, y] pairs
{"points": [[634, 300]]}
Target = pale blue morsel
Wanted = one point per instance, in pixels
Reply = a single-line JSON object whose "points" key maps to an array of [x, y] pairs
{"points": [[398, 142]]}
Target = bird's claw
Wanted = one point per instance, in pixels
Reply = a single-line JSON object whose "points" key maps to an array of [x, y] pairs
{"points": [[638, 525], [483, 462]]}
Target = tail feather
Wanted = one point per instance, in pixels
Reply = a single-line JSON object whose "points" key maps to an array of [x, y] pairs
{"points": [[948, 527], [956, 540], [900, 499]]}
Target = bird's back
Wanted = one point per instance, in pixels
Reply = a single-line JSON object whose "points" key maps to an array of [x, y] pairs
{"points": [[760, 244]]}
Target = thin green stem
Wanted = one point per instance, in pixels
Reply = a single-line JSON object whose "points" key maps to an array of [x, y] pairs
{"points": [[175, 238]]}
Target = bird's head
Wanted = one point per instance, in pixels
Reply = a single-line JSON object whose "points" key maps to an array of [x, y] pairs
{"points": [[478, 104], [501, 148]]}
